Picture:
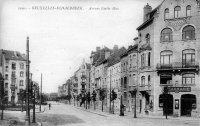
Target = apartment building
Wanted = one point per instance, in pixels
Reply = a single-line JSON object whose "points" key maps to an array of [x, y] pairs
{"points": [[169, 58], [13, 65]]}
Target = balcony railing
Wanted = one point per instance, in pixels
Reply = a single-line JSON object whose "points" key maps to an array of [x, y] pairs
{"points": [[178, 65]]}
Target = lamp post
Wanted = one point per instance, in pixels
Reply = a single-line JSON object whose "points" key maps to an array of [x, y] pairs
{"points": [[27, 120], [34, 89]]}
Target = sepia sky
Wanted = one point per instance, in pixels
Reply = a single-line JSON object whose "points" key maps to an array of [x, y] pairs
{"points": [[60, 38]]}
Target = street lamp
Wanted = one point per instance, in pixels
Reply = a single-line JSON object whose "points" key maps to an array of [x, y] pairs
{"points": [[34, 89]]}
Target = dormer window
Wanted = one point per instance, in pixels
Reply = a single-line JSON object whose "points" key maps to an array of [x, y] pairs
{"points": [[166, 15], [177, 11], [188, 10], [147, 38]]}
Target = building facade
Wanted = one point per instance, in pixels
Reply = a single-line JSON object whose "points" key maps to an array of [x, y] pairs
{"points": [[14, 70], [169, 58]]}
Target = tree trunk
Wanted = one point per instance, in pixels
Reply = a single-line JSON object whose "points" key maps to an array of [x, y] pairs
{"points": [[102, 105]]}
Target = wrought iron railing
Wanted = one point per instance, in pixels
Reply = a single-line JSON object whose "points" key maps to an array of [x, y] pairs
{"points": [[178, 65]]}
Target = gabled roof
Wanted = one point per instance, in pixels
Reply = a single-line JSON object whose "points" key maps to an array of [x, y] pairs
{"points": [[13, 55], [115, 57]]}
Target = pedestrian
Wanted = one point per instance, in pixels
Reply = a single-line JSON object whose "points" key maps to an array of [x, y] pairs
{"points": [[49, 106]]}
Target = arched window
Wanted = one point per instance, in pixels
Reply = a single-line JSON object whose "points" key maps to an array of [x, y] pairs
{"points": [[188, 33], [166, 35], [147, 38], [166, 57], [188, 78], [188, 57], [166, 13], [188, 10], [21, 74], [177, 11], [143, 81]]}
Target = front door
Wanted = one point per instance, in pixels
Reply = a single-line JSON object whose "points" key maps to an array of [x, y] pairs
{"points": [[188, 101]]}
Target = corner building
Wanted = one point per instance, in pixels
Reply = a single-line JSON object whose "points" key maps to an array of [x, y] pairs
{"points": [[169, 55]]}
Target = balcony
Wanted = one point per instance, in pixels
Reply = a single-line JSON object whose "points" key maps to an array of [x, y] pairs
{"points": [[144, 88], [83, 83], [132, 88], [177, 67], [83, 76], [13, 87]]}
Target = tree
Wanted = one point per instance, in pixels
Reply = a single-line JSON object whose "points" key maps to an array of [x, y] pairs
{"points": [[113, 97], [102, 95], [94, 98], [165, 102], [88, 99]]}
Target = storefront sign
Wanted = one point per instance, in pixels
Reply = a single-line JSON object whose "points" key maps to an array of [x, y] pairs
{"points": [[179, 89]]}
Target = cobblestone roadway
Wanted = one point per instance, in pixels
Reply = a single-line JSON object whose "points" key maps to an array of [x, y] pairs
{"points": [[67, 115]]}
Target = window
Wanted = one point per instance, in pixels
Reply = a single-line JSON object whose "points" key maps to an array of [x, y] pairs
{"points": [[166, 35], [21, 83], [134, 61], [188, 78], [6, 77], [166, 15], [13, 82], [6, 85], [147, 38], [6, 68], [143, 81], [188, 57], [21, 66], [165, 79], [13, 66], [188, 33], [166, 58], [149, 58], [149, 80], [142, 60], [125, 82], [188, 10], [177, 11], [21, 74], [13, 74]]}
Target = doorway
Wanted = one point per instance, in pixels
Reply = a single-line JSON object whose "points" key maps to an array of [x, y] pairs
{"points": [[188, 102]]}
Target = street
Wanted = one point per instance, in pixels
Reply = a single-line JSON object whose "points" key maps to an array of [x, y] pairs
{"points": [[68, 115]]}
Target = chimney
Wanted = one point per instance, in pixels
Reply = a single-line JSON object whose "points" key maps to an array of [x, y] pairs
{"points": [[115, 48], [98, 49], [146, 10]]}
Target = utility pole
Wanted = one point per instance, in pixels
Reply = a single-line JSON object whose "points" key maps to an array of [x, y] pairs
{"points": [[27, 120], [41, 93]]}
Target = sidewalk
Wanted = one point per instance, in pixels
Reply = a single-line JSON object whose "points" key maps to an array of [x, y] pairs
{"points": [[18, 117], [130, 114]]}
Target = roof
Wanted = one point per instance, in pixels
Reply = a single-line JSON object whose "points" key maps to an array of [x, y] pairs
{"points": [[151, 18], [13, 55], [115, 58], [99, 57], [132, 48]]}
